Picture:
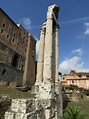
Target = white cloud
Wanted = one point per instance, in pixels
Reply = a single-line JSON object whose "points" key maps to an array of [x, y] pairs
{"points": [[78, 51], [26, 22], [69, 64], [87, 28]]}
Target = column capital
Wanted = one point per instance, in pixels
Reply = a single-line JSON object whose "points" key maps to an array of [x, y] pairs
{"points": [[42, 31]]}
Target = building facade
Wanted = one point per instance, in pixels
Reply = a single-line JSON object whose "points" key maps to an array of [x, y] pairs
{"points": [[14, 44], [76, 78]]}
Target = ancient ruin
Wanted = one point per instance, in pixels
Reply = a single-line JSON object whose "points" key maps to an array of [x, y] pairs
{"points": [[47, 84], [47, 103]]}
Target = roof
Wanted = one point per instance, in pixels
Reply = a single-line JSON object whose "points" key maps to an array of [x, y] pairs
{"points": [[80, 72]]}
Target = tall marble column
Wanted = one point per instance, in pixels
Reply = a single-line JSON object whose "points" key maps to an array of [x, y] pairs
{"points": [[47, 71], [40, 63]]}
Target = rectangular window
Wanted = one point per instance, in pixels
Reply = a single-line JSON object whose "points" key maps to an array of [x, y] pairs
{"points": [[4, 72], [8, 36], [12, 40], [72, 81], [3, 25], [9, 30], [1, 31], [14, 34]]}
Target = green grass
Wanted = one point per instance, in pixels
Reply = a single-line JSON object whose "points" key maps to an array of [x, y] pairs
{"points": [[14, 93], [83, 105]]}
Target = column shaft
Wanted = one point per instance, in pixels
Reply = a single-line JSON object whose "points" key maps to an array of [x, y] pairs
{"points": [[39, 77], [47, 72]]}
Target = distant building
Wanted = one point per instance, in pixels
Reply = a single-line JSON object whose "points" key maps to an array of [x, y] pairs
{"points": [[17, 49], [76, 78]]}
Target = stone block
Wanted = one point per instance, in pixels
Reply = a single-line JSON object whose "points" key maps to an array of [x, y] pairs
{"points": [[9, 115], [22, 105], [30, 116], [19, 115]]}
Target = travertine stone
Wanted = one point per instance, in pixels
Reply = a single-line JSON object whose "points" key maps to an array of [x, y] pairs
{"points": [[40, 63], [47, 71]]}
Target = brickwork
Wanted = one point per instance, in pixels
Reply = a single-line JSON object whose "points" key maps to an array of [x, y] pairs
{"points": [[14, 41]]}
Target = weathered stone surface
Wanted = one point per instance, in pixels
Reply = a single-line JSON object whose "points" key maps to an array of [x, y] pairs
{"points": [[10, 74], [22, 105], [47, 103], [9, 115]]}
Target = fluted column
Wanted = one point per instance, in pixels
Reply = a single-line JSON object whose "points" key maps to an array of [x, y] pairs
{"points": [[47, 72], [40, 63]]}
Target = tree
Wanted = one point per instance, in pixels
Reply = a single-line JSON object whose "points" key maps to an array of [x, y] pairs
{"points": [[73, 113]]}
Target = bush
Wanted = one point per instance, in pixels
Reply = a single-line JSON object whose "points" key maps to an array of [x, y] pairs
{"points": [[73, 113]]}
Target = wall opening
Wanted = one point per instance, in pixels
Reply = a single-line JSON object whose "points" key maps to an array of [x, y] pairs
{"points": [[15, 60], [4, 72]]}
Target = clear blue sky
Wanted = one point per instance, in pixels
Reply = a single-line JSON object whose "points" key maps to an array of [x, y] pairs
{"points": [[73, 32]]}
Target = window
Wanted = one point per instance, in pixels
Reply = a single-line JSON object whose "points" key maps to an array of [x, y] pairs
{"points": [[3, 25], [15, 60], [13, 40], [7, 36], [1, 31], [14, 34], [72, 81], [9, 30], [63, 78], [4, 72]]}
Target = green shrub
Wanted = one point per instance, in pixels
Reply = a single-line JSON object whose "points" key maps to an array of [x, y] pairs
{"points": [[73, 113]]}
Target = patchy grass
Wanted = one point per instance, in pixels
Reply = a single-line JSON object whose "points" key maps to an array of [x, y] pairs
{"points": [[13, 93], [83, 105]]}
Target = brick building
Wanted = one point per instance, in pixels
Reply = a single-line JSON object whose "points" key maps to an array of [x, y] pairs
{"points": [[76, 78], [17, 52]]}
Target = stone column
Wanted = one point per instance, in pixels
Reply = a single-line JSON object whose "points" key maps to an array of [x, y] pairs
{"points": [[47, 72], [56, 54], [40, 63]]}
